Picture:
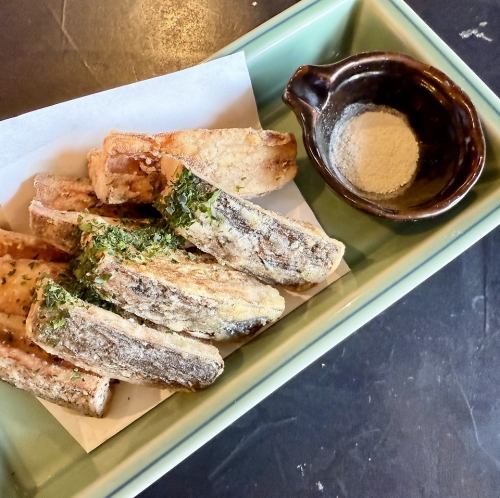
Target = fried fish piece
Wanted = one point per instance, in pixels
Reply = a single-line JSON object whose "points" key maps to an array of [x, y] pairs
{"points": [[28, 367], [18, 279], [237, 232], [58, 227], [19, 245], [184, 291], [107, 344], [195, 295], [61, 228], [243, 161], [67, 193]]}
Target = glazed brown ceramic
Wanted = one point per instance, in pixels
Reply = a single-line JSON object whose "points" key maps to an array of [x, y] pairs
{"points": [[452, 149]]}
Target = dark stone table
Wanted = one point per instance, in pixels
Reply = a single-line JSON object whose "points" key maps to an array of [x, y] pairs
{"points": [[409, 406]]}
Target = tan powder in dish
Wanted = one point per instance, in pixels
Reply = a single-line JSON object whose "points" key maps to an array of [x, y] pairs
{"points": [[375, 148]]}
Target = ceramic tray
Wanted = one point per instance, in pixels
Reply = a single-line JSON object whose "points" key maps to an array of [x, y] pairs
{"points": [[37, 457]]}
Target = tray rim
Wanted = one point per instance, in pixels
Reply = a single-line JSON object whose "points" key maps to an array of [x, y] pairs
{"points": [[489, 97], [120, 481]]}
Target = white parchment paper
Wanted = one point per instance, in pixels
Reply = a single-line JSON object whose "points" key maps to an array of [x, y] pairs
{"points": [[56, 139]]}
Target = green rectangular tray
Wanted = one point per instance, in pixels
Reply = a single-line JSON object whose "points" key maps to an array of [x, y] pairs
{"points": [[37, 457]]}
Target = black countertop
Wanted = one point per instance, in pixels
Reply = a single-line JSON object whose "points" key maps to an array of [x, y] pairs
{"points": [[409, 405]]}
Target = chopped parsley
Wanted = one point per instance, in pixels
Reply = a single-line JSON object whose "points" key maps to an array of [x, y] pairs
{"points": [[55, 297], [189, 195], [139, 243], [58, 322]]}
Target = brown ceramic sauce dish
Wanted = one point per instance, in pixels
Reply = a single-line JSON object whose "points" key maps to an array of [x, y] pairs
{"points": [[446, 125]]}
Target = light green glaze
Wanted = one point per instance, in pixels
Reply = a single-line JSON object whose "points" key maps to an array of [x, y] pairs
{"points": [[37, 457]]}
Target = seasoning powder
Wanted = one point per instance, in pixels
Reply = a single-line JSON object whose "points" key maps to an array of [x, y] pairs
{"points": [[375, 148]]}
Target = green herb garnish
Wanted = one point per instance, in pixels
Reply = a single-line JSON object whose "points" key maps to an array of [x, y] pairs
{"points": [[241, 187], [56, 295], [57, 323], [139, 243], [189, 195], [55, 298]]}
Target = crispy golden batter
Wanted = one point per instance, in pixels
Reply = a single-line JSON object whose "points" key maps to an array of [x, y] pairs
{"points": [[20, 245], [67, 193], [242, 161], [18, 279]]}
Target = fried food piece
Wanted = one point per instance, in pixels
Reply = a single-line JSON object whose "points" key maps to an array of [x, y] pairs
{"points": [[61, 227], [188, 293], [237, 232], [103, 342], [242, 161], [18, 278], [28, 367], [67, 193], [58, 227], [22, 246]]}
